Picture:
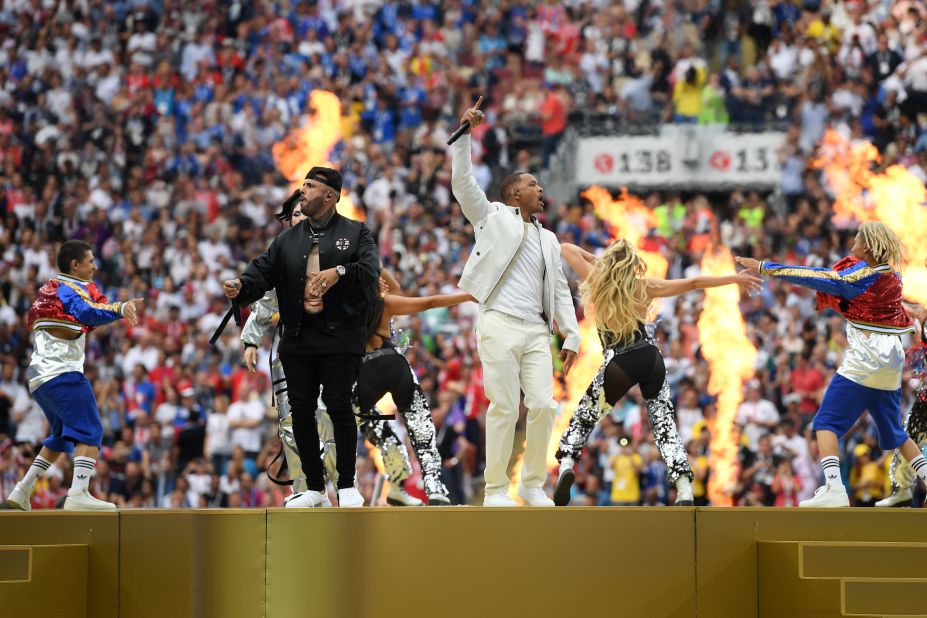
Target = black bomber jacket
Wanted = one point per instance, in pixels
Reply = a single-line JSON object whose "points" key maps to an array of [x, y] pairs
{"points": [[282, 267]]}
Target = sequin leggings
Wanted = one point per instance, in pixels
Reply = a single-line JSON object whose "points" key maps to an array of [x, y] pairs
{"points": [[901, 472], [391, 373], [643, 365], [381, 435]]}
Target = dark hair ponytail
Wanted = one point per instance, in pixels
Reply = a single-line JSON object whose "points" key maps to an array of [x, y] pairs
{"points": [[286, 211]]}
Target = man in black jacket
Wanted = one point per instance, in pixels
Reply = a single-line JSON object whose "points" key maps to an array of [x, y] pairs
{"points": [[321, 269]]}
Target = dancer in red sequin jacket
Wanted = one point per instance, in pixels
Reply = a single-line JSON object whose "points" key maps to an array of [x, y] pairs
{"points": [[866, 290], [68, 307], [65, 310]]}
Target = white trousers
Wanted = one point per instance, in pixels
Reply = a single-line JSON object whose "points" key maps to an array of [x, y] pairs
{"points": [[516, 358]]}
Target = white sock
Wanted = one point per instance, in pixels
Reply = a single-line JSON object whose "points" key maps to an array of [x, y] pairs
{"points": [[39, 466], [566, 464], [920, 467], [831, 467], [83, 470]]}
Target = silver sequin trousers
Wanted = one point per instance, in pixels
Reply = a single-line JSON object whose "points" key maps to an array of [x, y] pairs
{"points": [[422, 433], [593, 406], [901, 472], [381, 435]]}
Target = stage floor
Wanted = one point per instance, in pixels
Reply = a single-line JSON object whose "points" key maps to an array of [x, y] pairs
{"points": [[464, 561]]}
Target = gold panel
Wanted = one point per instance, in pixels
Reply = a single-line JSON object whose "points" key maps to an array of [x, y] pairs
{"points": [[54, 584], [873, 560], [781, 590], [14, 563], [727, 545], [201, 564], [590, 562], [99, 531], [898, 597]]}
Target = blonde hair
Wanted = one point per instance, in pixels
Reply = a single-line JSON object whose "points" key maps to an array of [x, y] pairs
{"points": [[882, 242], [615, 291]]}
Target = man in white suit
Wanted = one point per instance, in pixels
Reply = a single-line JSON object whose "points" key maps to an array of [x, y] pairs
{"points": [[515, 272]]}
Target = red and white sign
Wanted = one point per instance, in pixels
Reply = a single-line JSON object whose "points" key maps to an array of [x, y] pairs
{"points": [[696, 157]]}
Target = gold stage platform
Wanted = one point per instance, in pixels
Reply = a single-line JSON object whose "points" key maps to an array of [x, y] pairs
{"points": [[467, 562]]}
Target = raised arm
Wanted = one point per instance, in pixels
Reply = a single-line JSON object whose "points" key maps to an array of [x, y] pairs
{"points": [[391, 283], [663, 288], [582, 262], [472, 200], [407, 305]]}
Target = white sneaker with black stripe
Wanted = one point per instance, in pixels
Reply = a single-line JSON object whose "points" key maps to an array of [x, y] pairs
{"points": [[306, 500]]}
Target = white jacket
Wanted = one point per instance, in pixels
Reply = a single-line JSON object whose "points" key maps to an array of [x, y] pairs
{"points": [[499, 230]]}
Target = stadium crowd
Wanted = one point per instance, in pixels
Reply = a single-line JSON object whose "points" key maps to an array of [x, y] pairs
{"points": [[146, 127]]}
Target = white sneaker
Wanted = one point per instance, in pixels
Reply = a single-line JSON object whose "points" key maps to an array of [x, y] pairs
{"points": [[534, 496], [398, 496], [899, 497], [564, 482], [19, 499], [828, 496], [350, 498], [306, 500], [83, 501], [438, 500], [501, 499], [684, 495]]}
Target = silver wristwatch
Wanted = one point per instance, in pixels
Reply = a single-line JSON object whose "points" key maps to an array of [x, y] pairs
{"points": [[340, 270]]}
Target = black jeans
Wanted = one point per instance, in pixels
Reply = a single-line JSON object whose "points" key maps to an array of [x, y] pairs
{"points": [[387, 374], [335, 374]]}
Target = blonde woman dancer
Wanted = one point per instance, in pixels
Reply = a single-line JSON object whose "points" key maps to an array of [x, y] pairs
{"points": [[616, 288]]}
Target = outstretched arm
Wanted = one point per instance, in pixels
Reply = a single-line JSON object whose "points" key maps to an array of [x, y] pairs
{"points": [[472, 200], [581, 261], [846, 283], [407, 305], [78, 303], [663, 288]]}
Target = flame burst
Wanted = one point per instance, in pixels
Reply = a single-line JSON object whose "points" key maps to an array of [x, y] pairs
{"points": [[516, 476], [894, 196], [626, 217], [311, 144], [722, 334], [384, 406]]}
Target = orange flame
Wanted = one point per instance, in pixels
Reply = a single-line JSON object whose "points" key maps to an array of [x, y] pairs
{"points": [[722, 334], [628, 218], [516, 476], [894, 196], [311, 144], [385, 406]]}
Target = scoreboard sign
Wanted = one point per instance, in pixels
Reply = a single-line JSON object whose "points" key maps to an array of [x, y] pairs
{"points": [[696, 158]]}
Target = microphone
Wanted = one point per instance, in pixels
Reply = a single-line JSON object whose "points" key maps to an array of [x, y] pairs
{"points": [[462, 129]]}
